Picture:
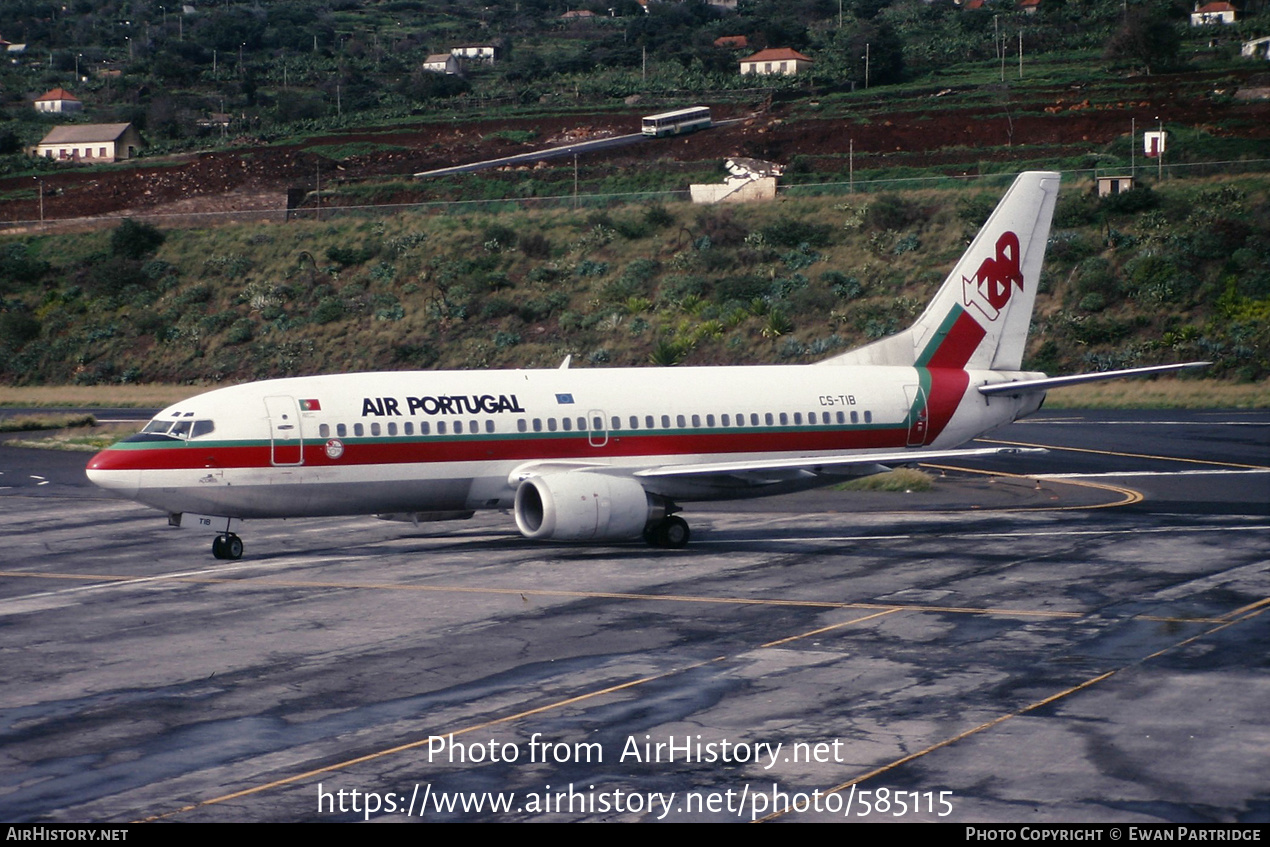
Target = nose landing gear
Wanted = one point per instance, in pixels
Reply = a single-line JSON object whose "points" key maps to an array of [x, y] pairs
{"points": [[227, 546]]}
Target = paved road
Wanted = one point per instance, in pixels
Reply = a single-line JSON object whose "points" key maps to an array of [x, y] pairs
{"points": [[1043, 649]]}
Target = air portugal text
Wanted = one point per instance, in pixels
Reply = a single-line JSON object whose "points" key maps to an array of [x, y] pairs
{"points": [[450, 404]]}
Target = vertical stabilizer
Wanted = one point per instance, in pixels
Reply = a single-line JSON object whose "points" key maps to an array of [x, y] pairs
{"points": [[980, 316]]}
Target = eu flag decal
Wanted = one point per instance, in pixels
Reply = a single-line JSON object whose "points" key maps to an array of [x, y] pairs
{"points": [[564, 399]]}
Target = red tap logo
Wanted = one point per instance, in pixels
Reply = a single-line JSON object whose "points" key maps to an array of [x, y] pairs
{"points": [[990, 290]]}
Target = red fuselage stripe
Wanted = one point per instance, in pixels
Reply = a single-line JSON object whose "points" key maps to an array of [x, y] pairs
{"points": [[496, 448]]}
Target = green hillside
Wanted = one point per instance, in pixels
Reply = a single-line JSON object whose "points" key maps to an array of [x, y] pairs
{"points": [[1157, 275]]}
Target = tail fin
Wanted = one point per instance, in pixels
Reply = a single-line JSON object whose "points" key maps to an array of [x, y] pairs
{"points": [[980, 316]]}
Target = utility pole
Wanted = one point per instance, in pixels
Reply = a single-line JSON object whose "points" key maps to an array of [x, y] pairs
{"points": [[851, 165], [1133, 149]]}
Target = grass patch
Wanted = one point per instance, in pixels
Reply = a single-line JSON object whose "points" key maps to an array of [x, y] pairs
{"points": [[101, 438], [98, 396], [30, 423], [1162, 394], [906, 480]]}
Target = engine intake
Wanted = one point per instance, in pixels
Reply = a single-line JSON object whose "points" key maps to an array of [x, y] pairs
{"points": [[581, 506]]}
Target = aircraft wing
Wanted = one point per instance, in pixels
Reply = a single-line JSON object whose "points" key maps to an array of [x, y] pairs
{"points": [[1027, 386], [866, 462]]}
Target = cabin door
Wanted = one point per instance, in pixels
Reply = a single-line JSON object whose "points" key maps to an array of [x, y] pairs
{"points": [[918, 415], [597, 431], [286, 441]]}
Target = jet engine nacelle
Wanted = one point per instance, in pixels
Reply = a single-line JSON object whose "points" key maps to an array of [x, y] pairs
{"points": [[579, 506]]}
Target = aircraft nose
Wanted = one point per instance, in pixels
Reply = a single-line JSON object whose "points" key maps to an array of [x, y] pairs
{"points": [[102, 472]]}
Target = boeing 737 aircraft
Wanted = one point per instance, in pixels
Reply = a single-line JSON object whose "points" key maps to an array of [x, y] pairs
{"points": [[608, 454]]}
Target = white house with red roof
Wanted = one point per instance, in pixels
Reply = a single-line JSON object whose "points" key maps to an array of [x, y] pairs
{"points": [[776, 60], [58, 100], [1213, 13]]}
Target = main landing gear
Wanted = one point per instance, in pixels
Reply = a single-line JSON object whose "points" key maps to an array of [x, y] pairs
{"points": [[670, 532], [227, 546]]}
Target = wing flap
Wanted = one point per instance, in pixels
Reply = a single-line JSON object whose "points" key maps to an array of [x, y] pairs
{"points": [[781, 468]]}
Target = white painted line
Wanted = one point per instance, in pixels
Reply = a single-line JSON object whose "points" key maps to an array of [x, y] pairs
{"points": [[1123, 474], [1059, 533]]}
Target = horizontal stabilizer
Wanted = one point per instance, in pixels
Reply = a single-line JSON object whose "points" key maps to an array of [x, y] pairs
{"points": [[1029, 386]]}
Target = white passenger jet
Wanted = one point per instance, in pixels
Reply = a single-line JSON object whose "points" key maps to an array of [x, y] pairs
{"points": [[608, 454]]}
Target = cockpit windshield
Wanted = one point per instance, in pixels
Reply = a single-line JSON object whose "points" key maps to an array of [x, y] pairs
{"points": [[184, 428]]}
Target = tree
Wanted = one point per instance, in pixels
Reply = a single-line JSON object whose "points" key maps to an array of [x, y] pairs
{"points": [[133, 240], [1148, 37]]}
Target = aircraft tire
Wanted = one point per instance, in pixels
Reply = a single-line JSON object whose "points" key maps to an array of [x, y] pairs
{"points": [[227, 546], [673, 533]]}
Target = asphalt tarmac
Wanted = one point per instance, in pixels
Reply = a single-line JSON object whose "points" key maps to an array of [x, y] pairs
{"points": [[1075, 636]]}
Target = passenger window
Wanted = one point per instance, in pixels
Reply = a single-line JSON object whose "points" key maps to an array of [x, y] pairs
{"points": [[458, 427], [842, 418], [680, 422], [617, 422], [521, 426], [424, 427], [710, 420], [855, 417], [409, 428], [648, 422], [665, 421], [474, 427], [768, 419], [566, 424], [868, 417], [597, 424], [634, 422], [440, 427], [374, 428], [341, 430], [784, 419], [798, 419], [696, 421], [489, 426], [392, 428], [358, 429], [551, 424], [754, 419], [324, 430]]}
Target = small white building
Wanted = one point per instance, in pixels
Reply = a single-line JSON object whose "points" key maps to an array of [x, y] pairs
{"points": [[776, 60], [58, 100], [90, 143], [1109, 186], [1258, 48], [441, 63], [486, 53], [1213, 13]]}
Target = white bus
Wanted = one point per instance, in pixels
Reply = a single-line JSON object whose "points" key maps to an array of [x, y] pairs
{"points": [[675, 123]]}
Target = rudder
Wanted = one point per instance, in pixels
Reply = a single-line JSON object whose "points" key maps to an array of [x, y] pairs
{"points": [[979, 318]]}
